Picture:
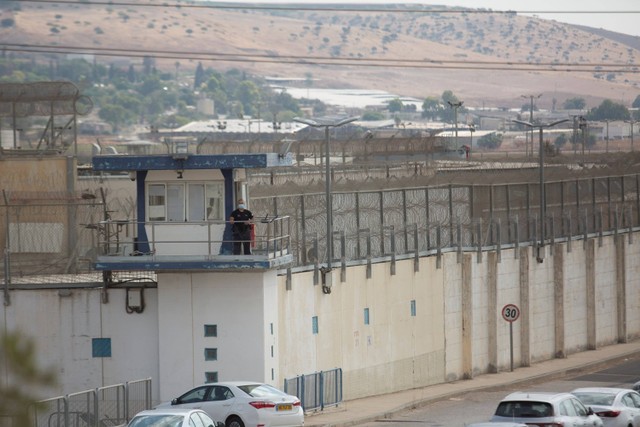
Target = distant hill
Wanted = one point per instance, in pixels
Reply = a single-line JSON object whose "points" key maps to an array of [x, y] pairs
{"points": [[332, 48]]}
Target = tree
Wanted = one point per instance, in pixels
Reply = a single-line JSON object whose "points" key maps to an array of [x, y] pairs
{"points": [[248, 94], [199, 77], [490, 141], [636, 102], [431, 108], [561, 140], [395, 105], [574, 104], [609, 110], [17, 356], [372, 116]]}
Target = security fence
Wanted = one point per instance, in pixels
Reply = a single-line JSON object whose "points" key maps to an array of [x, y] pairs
{"points": [[45, 239], [318, 390], [101, 407], [392, 222]]}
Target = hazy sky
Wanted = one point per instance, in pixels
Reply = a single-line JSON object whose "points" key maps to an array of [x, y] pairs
{"points": [[593, 13]]}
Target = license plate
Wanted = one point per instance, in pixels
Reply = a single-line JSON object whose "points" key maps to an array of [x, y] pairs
{"points": [[287, 407]]}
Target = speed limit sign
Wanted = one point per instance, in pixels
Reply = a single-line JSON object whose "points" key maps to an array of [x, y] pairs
{"points": [[510, 312]]}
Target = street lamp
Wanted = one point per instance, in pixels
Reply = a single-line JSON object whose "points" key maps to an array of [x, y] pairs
{"points": [[531, 97], [543, 199], [472, 129], [327, 123], [455, 106]]}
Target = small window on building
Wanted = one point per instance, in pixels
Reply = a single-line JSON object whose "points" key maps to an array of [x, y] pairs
{"points": [[273, 374], [210, 377], [366, 316], [101, 347], [413, 307], [271, 327], [314, 324], [271, 351], [210, 354], [210, 330]]}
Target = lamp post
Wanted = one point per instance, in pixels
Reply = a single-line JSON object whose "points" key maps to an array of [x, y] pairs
{"points": [[327, 123], [631, 123], [455, 106], [472, 129], [531, 98], [543, 198]]}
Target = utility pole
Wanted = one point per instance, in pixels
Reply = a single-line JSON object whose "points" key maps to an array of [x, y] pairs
{"points": [[531, 98], [455, 106]]}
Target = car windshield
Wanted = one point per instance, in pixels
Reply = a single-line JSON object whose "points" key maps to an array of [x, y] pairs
{"points": [[156, 421], [524, 409], [261, 390], [593, 398]]}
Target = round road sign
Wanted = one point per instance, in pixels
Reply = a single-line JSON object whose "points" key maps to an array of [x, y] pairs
{"points": [[510, 312]]}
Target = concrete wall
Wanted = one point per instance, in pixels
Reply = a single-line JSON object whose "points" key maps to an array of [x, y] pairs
{"points": [[582, 296]]}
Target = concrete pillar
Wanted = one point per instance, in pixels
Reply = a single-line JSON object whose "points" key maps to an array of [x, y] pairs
{"points": [[525, 318], [558, 282], [590, 279], [621, 288], [493, 313], [467, 318]]}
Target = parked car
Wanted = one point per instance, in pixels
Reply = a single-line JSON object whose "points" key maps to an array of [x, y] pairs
{"points": [[490, 424], [173, 417], [243, 403], [618, 407], [548, 409]]}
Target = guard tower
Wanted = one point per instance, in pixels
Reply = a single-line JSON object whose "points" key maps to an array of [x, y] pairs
{"points": [[217, 312]]}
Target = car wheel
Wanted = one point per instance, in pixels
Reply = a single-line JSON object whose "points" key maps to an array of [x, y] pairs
{"points": [[234, 422]]}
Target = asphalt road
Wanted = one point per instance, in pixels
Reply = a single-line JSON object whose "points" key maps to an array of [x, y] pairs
{"points": [[477, 407]]}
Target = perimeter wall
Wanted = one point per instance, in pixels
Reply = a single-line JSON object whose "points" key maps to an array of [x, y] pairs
{"points": [[435, 320]]}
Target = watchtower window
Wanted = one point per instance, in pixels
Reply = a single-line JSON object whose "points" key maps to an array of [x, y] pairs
{"points": [[185, 202]]}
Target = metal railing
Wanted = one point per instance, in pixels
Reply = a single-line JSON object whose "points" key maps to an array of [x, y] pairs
{"points": [[101, 407], [270, 236], [318, 390]]}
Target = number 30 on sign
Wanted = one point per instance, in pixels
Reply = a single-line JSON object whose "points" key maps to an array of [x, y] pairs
{"points": [[510, 312]]}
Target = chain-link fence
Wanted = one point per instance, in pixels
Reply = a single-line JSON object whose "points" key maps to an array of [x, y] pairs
{"points": [[101, 407]]}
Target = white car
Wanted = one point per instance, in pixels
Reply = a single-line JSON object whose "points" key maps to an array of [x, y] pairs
{"points": [[545, 409], [490, 424], [173, 417], [243, 404], [618, 407]]}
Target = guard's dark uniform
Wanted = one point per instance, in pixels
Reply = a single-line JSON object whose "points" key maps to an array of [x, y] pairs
{"points": [[241, 231]]}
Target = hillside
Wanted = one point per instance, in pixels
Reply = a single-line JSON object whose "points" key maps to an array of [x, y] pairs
{"points": [[411, 52]]}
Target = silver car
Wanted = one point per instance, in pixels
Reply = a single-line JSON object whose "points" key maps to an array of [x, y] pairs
{"points": [[173, 417], [545, 409], [618, 407]]}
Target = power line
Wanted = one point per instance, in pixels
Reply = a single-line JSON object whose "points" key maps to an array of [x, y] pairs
{"points": [[328, 8], [336, 61]]}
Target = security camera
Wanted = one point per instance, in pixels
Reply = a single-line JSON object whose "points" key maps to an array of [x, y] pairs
{"points": [[132, 176]]}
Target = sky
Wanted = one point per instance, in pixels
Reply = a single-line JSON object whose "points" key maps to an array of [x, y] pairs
{"points": [[606, 14]]}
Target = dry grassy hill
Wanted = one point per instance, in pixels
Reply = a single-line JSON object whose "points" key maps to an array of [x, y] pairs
{"points": [[335, 46]]}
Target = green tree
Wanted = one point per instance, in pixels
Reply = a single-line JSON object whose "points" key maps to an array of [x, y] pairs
{"points": [[609, 110], [561, 140], [431, 108], [636, 102], [18, 356], [490, 141], [576, 103], [199, 77], [249, 95], [395, 105], [372, 116], [116, 115]]}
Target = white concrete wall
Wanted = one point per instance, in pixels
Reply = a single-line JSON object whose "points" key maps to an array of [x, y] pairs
{"points": [[457, 331], [242, 306], [64, 323]]}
